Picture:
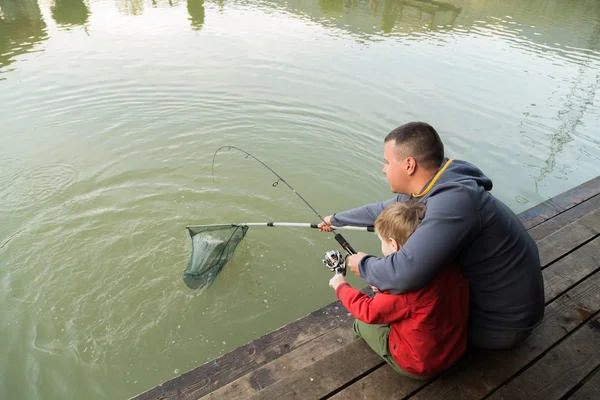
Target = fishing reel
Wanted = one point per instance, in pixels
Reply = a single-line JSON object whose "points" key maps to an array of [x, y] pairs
{"points": [[335, 262]]}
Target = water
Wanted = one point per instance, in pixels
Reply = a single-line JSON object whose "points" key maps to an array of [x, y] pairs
{"points": [[111, 112]]}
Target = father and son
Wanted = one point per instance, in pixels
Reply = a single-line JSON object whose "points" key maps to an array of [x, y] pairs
{"points": [[458, 265]]}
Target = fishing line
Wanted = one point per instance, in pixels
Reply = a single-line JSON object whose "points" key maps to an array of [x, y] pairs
{"points": [[338, 237], [270, 169]]}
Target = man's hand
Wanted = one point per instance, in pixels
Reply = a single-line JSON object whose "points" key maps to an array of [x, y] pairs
{"points": [[325, 226], [353, 261], [336, 281]]}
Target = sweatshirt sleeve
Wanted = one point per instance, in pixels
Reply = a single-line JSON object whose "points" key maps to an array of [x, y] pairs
{"points": [[381, 309], [451, 221], [365, 215]]}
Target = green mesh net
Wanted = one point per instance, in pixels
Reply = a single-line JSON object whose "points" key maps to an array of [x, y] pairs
{"points": [[212, 247]]}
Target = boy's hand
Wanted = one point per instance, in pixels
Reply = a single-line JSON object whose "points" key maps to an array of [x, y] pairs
{"points": [[336, 281]]}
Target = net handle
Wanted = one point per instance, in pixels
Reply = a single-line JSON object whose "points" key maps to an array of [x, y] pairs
{"points": [[292, 225]]}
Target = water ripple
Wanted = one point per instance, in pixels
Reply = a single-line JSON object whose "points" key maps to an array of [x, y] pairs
{"points": [[29, 188]]}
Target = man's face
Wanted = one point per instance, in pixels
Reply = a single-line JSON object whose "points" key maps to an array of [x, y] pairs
{"points": [[395, 168]]}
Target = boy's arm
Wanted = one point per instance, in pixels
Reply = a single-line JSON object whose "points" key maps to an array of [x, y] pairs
{"points": [[381, 309]]}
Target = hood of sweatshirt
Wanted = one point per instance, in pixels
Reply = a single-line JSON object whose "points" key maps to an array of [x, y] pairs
{"points": [[452, 172]]}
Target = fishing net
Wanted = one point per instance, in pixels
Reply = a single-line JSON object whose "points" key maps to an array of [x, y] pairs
{"points": [[212, 247]]}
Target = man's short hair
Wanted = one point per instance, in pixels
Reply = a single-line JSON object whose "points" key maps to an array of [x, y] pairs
{"points": [[421, 142], [400, 220]]}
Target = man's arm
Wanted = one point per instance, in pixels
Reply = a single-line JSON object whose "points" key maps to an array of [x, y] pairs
{"points": [[381, 309], [365, 215], [451, 221]]}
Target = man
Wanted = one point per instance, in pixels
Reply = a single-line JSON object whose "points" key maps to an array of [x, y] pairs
{"points": [[464, 225]]}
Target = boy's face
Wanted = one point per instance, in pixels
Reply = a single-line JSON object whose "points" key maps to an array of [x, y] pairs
{"points": [[388, 246]]}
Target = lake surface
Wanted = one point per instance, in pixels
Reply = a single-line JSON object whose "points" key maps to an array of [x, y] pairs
{"points": [[111, 111]]}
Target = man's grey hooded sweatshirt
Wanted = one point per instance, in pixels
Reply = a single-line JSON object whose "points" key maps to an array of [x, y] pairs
{"points": [[466, 225]]}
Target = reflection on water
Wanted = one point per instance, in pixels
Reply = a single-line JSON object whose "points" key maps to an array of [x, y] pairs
{"points": [[377, 17], [196, 11], [411, 12], [21, 29], [332, 7], [136, 7], [573, 106], [70, 12], [131, 7]]}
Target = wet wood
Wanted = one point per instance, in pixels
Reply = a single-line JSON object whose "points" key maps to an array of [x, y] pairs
{"points": [[217, 373], [560, 221], [590, 388], [568, 271], [383, 383], [560, 370], [568, 238], [285, 365], [325, 375], [558, 204]]}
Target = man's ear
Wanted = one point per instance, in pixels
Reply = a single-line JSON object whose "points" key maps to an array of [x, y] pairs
{"points": [[411, 165], [394, 244]]}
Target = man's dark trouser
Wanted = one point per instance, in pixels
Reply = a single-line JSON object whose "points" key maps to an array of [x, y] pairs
{"points": [[492, 339]]}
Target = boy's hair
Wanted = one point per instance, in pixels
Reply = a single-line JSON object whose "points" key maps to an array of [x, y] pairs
{"points": [[399, 220]]}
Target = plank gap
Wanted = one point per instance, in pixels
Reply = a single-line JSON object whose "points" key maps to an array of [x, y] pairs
{"points": [[562, 292], [356, 379], [577, 247], [541, 355], [580, 384]]}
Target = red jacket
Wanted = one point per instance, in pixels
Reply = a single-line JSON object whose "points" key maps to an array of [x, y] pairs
{"points": [[428, 326]]}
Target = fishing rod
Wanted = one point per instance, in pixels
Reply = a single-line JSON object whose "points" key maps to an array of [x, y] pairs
{"points": [[286, 224], [338, 237]]}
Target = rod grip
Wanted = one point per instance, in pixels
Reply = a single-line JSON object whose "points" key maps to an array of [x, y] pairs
{"points": [[344, 243]]}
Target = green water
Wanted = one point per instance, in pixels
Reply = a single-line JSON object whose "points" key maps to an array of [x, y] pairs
{"points": [[110, 113]]}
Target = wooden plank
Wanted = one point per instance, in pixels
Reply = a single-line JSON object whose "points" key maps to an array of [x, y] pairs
{"points": [[566, 239], [281, 367], [560, 203], [560, 370], [590, 390], [567, 271], [223, 370], [385, 382], [560, 221], [485, 370], [325, 375]]}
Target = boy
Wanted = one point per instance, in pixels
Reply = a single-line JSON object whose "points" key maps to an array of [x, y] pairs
{"points": [[420, 333]]}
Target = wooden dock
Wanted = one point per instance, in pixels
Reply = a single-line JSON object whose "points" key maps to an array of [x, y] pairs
{"points": [[315, 357]]}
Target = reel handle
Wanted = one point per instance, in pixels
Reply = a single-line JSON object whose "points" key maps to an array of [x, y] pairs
{"points": [[344, 243]]}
